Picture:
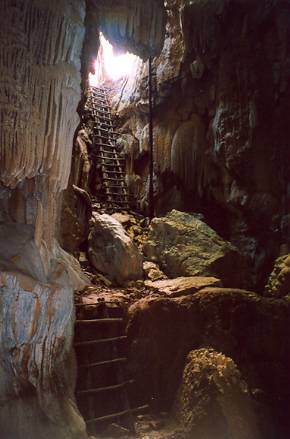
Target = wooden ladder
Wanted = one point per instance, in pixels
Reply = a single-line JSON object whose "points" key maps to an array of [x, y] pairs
{"points": [[103, 384], [105, 152]]}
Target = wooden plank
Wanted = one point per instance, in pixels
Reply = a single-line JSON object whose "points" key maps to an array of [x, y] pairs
{"points": [[104, 320], [113, 179], [105, 388], [103, 363], [118, 415], [108, 158], [100, 340]]}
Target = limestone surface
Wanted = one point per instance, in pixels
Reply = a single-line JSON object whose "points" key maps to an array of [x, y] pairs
{"points": [[217, 140], [111, 250], [184, 245], [183, 285]]}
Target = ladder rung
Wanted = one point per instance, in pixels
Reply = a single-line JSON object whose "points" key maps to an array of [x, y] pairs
{"points": [[105, 152], [110, 147], [105, 130], [100, 340], [114, 185], [109, 150], [114, 172], [104, 389], [101, 107], [101, 115], [116, 193], [98, 98], [104, 320], [92, 100], [113, 179], [121, 188], [110, 158], [98, 93], [112, 165], [106, 124], [103, 363], [117, 415], [102, 136], [104, 144]]}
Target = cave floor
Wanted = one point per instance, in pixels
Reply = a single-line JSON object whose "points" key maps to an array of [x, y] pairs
{"points": [[159, 425]]}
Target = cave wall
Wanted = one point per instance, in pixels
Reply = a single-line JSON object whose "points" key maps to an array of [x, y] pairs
{"points": [[46, 51], [40, 63], [132, 25], [220, 122]]}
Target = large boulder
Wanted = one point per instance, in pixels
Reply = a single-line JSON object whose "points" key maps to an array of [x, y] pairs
{"points": [[213, 401], [184, 245], [279, 281], [112, 252]]}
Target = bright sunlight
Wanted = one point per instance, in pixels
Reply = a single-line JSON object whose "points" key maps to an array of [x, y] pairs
{"points": [[109, 66]]}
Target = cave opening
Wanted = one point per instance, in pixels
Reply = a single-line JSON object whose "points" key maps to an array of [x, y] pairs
{"points": [[117, 77], [112, 64]]}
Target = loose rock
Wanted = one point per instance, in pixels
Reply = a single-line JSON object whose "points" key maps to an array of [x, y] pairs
{"points": [[112, 252], [153, 271]]}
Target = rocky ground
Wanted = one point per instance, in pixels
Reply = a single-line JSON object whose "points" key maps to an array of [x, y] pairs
{"points": [[149, 426], [202, 346]]}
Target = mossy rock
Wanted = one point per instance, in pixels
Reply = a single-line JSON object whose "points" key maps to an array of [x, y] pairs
{"points": [[279, 281]]}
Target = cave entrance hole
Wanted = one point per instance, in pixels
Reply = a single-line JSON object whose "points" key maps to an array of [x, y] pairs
{"points": [[111, 88], [113, 65]]}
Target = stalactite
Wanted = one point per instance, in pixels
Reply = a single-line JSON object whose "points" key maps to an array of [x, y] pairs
{"points": [[39, 64]]}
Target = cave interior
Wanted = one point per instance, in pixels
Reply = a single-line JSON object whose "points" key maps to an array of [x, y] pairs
{"points": [[144, 219]]}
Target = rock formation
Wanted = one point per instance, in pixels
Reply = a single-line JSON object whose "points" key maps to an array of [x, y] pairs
{"points": [[220, 122], [213, 401], [112, 252], [239, 324], [45, 47], [40, 63], [185, 246], [279, 281]]}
